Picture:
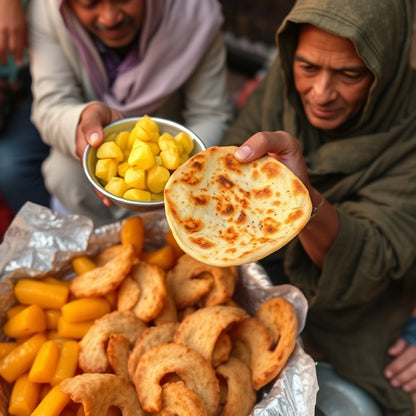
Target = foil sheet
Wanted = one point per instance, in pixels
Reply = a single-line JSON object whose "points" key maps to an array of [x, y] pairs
{"points": [[40, 242]]}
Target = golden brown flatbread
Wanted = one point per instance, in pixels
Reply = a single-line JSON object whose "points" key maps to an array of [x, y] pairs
{"points": [[224, 213]]}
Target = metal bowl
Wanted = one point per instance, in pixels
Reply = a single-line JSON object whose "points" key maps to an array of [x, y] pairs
{"points": [[90, 159]]}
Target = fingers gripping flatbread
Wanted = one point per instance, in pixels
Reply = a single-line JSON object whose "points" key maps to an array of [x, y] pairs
{"points": [[223, 212]]}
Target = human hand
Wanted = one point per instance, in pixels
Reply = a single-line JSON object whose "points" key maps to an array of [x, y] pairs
{"points": [[402, 370], [279, 144], [90, 130], [13, 31]]}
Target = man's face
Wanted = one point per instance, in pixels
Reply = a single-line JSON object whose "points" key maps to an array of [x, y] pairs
{"points": [[330, 77], [115, 22]]}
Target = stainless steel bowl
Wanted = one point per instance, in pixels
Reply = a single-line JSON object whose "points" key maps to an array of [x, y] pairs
{"points": [[90, 159]]}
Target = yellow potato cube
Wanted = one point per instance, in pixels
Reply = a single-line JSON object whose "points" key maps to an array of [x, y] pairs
{"points": [[135, 178], [116, 186], [157, 197], [122, 140], [157, 178], [110, 150], [138, 133], [122, 167], [141, 155], [106, 169], [186, 141], [166, 141], [170, 158], [150, 126], [155, 147], [138, 195]]}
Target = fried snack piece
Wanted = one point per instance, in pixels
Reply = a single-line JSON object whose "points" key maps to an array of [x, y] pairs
{"points": [[241, 396], [188, 281], [104, 256], [168, 313], [201, 330], [275, 320], [104, 279], [118, 351], [222, 349], [92, 347], [154, 335], [128, 294], [151, 282], [178, 400], [225, 279], [99, 392], [191, 367]]}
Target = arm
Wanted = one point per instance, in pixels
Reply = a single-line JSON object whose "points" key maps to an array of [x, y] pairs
{"points": [[206, 109], [13, 30]]}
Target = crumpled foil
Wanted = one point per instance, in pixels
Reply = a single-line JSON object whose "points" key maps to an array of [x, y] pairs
{"points": [[40, 242]]}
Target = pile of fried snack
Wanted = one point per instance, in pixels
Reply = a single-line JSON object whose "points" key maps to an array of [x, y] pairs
{"points": [[139, 332]]}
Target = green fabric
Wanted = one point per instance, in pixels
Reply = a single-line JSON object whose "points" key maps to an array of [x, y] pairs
{"points": [[362, 298]]}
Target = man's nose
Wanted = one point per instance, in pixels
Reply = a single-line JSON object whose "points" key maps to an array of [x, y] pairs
{"points": [[109, 14], [324, 88]]}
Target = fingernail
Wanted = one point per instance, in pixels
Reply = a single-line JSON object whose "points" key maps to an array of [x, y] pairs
{"points": [[388, 373], [395, 383], [243, 152], [94, 138]]}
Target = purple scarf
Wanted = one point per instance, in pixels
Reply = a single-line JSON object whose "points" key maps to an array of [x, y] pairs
{"points": [[174, 37]]}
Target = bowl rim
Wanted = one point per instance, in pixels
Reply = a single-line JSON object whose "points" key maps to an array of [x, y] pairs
{"points": [[129, 202]]}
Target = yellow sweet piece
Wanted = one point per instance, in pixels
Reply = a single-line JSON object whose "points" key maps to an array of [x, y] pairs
{"points": [[55, 281], [52, 317], [52, 404], [163, 257], [110, 150], [157, 178], [6, 348], [106, 169], [135, 177], [46, 295], [141, 155], [67, 362], [75, 330], [24, 397], [122, 140], [44, 365], [27, 322], [82, 264], [20, 359], [14, 310], [138, 195], [133, 232], [116, 186], [186, 142], [170, 158], [85, 309]]}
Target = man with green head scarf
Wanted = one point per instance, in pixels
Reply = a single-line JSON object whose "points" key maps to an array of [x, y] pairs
{"points": [[338, 107]]}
